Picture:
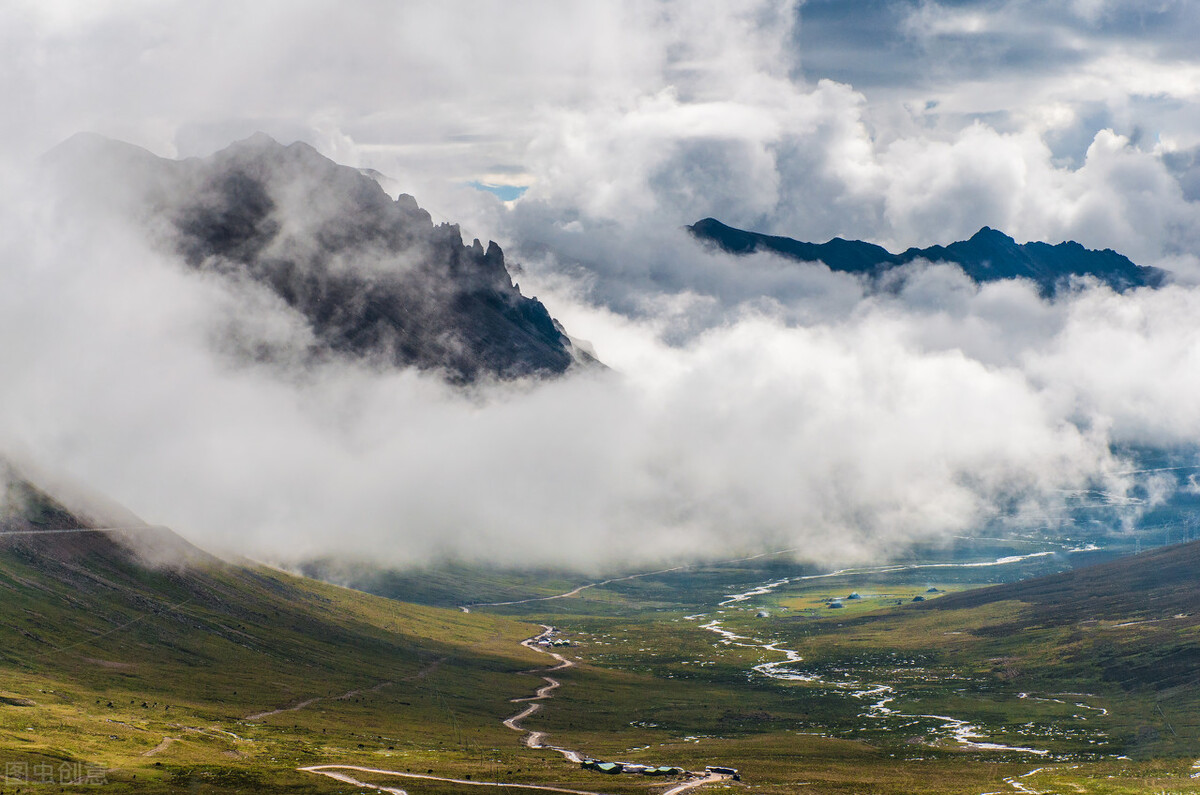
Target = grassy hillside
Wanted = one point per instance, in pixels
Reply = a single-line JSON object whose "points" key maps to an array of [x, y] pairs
{"points": [[448, 584], [1153, 584], [139, 659], [1131, 624]]}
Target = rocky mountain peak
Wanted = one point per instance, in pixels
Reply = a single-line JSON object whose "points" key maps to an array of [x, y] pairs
{"points": [[373, 277]]}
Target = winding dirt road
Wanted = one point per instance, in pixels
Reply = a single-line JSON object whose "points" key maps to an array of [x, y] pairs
{"points": [[534, 739], [330, 770], [570, 593], [349, 694], [164, 745], [576, 591], [421, 674]]}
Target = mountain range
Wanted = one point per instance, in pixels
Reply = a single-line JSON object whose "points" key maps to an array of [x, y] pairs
{"points": [[988, 256], [373, 278]]}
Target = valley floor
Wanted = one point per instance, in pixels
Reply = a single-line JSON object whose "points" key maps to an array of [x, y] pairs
{"points": [[229, 679]]}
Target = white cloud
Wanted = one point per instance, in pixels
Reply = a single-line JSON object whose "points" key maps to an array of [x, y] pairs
{"points": [[752, 401], [908, 418], [623, 110]]}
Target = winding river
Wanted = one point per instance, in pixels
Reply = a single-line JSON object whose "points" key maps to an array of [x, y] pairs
{"points": [[963, 733]]}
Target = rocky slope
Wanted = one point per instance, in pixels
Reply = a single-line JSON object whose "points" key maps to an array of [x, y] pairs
{"points": [[372, 278]]}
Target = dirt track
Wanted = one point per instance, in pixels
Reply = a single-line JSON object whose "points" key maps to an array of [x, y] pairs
{"points": [[328, 770], [533, 739]]}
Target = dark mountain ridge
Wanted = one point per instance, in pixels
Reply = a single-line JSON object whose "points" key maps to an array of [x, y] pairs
{"points": [[989, 255], [373, 278]]}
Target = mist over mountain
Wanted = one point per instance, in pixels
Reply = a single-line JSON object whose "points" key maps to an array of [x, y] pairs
{"points": [[253, 348], [988, 256], [370, 277], [24, 507]]}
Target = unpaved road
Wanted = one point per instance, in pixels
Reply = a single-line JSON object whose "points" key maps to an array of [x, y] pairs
{"points": [[164, 745], [575, 591], [533, 739], [421, 674], [309, 702], [570, 593], [60, 531], [330, 770], [707, 778]]}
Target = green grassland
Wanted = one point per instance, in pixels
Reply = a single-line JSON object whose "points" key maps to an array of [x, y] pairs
{"points": [[103, 658], [654, 685], [448, 584], [206, 676]]}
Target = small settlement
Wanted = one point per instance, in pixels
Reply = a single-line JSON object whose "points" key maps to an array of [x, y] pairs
{"points": [[655, 770], [554, 642], [630, 767]]}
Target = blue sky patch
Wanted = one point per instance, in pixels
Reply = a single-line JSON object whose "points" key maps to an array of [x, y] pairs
{"points": [[504, 192]]}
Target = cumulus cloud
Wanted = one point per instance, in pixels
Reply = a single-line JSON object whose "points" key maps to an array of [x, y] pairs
{"points": [[751, 402], [670, 109], [909, 417], [1092, 148]]}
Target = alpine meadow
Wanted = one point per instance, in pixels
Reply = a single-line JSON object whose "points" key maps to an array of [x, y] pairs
{"points": [[647, 397]]}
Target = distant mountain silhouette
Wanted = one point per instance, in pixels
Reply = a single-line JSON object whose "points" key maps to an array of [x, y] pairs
{"points": [[988, 256], [374, 278]]}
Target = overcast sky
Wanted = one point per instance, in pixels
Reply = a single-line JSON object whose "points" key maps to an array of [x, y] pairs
{"points": [[749, 403]]}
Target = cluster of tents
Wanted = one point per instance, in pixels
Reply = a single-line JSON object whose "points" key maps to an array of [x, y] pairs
{"points": [[834, 602]]}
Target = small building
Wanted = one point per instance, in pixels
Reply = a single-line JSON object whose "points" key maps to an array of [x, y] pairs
{"points": [[763, 614], [918, 598], [610, 767], [933, 590], [854, 595], [835, 605]]}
